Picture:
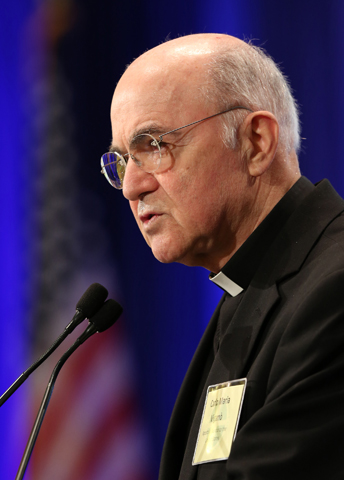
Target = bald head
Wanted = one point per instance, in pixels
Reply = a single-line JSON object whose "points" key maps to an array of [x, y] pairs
{"points": [[192, 47], [170, 69], [221, 70], [222, 175]]}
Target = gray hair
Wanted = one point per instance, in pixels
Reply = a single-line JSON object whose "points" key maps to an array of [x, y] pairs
{"points": [[246, 75]]}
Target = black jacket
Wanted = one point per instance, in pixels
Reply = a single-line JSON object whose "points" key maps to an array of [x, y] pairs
{"points": [[288, 339]]}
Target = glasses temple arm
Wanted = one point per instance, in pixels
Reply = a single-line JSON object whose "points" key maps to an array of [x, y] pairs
{"points": [[206, 118]]}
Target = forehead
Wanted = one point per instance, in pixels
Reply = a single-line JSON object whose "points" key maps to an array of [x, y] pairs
{"points": [[158, 94]]}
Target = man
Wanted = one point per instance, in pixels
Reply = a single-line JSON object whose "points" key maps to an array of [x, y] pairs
{"points": [[205, 141]]}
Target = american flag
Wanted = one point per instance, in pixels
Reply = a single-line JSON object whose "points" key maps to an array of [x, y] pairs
{"points": [[93, 428]]}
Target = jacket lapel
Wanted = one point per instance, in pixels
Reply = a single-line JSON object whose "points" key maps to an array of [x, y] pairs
{"points": [[243, 331], [284, 258]]}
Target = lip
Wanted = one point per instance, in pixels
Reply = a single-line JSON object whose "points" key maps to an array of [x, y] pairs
{"points": [[149, 218]]}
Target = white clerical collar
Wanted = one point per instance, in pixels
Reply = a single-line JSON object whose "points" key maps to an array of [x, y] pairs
{"points": [[226, 284]]}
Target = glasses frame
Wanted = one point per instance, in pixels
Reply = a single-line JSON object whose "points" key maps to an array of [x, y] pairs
{"points": [[203, 119], [158, 142]]}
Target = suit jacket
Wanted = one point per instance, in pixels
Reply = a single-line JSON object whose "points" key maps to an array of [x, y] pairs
{"points": [[287, 338]]}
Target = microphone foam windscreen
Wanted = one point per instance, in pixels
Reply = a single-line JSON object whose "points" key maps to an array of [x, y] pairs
{"points": [[107, 315], [92, 299]]}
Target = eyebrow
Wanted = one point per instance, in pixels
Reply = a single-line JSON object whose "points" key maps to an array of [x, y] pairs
{"points": [[114, 149], [152, 129]]}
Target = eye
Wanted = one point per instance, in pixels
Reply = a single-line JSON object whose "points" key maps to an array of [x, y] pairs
{"points": [[145, 143], [165, 147], [155, 143]]}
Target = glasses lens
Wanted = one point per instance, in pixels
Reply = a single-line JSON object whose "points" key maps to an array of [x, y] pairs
{"points": [[145, 151], [113, 167]]}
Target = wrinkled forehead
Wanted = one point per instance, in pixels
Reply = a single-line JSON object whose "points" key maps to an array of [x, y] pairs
{"points": [[163, 86], [152, 84]]}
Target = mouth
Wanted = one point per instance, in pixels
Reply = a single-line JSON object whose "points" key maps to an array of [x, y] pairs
{"points": [[149, 218]]}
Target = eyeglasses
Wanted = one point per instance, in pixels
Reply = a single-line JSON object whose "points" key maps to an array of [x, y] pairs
{"points": [[146, 151]]}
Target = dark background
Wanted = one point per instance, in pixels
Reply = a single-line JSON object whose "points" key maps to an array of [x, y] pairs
{"points": [[166, 306]]}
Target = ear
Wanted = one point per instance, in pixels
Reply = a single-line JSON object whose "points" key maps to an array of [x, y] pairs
{"points": [[259, 141]]}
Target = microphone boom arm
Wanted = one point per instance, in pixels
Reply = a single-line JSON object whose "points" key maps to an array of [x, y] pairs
{"points": [[46, 399], [101, 321]]}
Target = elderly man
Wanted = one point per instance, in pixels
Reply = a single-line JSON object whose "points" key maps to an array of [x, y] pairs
{"points": [[205, 141]]}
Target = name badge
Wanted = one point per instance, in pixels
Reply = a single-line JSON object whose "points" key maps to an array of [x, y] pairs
{"points": [[219, 424]]}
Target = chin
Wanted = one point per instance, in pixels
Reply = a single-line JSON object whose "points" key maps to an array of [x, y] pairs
{"points": [[173, 256], [163, 258], [167, 255]]}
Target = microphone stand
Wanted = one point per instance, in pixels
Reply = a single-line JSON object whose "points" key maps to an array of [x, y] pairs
{"points": [[91, 329], [88, 305], [33, 367]]}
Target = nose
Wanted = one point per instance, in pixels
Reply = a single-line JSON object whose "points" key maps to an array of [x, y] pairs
{"points": [[137, 182]]}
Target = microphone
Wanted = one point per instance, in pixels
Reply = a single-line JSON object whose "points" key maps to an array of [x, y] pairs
{"points": [[101, 321], [87, 306]]}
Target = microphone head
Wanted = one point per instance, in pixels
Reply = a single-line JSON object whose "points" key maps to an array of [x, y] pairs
{"points": [[92, 300], [108, 314]]}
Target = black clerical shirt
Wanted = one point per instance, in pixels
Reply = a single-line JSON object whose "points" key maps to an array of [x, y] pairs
{"points": [[239, 271]]}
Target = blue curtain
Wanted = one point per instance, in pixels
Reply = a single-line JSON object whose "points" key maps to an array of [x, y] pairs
{"points": [[167, 306], [15, 184]]}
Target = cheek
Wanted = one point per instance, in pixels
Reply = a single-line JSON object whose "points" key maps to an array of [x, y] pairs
{"points": [[194, 204], [207, 195]]}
